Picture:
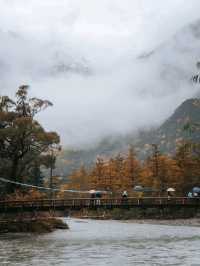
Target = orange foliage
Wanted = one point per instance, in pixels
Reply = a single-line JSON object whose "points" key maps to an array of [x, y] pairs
{"points": [[33, 194], [124, 172]]}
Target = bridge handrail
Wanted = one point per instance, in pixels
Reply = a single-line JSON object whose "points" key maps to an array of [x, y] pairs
{"points": [[114, 199]]}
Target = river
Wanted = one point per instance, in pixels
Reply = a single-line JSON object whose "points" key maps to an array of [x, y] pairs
{"points": [[91, 242]]}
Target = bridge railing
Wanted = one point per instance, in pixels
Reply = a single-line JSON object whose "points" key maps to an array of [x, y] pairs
{"points": [[89, 202]]}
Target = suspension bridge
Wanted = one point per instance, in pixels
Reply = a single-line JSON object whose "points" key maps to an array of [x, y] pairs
{"points": [[107, 202]]}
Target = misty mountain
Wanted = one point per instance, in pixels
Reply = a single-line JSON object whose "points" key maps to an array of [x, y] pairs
{"points": [[20, 55], [183, 125], [170, 134], [160, 77], [103, 88]]}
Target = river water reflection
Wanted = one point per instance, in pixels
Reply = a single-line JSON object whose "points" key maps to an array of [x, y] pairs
{"points": [[90, 242]]}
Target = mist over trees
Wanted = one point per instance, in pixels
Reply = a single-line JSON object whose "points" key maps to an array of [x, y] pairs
{"points": [[158, 172], [26, 147]]}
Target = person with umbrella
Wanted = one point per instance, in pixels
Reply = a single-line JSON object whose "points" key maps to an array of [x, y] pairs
{"points": [[95, 196], [196, 191], [92, 196], [170, 192]]}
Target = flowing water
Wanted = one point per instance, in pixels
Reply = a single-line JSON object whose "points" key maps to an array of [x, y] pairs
{"points": [[91, 242]]}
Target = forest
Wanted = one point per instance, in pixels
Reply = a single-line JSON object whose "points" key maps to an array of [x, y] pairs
{"points": [[27, 149], [157, 173]]}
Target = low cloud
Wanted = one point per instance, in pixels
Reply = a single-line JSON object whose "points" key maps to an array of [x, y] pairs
{"points": [[109, 67]]}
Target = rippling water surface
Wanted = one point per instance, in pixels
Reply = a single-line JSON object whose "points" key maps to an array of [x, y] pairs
{"points": [[90, 242]]}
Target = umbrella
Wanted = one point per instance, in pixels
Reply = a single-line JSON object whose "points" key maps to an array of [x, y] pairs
{"points": [[138, 188], [143, 189], [171, 189], [196, 189], [92, 191]]}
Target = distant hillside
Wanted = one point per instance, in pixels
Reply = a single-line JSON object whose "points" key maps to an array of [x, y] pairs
{"points": [[184, 124], [172, 131], [71, 160]]}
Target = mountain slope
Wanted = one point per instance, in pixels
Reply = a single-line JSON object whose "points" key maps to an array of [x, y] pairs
{"points": [[167, 136], [184, 124]]}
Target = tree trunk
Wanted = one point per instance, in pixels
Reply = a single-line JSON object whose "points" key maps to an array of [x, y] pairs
{"points": [[13, 175]]}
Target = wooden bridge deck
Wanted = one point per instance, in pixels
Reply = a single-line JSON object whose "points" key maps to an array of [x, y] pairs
{"points": [[80, 203]]}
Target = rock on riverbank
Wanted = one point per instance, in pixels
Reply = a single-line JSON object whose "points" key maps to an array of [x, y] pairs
{"points": [[39, 225]]}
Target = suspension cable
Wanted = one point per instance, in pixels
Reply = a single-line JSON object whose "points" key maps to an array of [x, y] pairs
{"points": [[4, 180]]}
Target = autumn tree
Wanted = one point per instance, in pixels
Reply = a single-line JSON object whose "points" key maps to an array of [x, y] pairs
{"points": [[22, 138], [79, 179], [169, 174], [146, 177], [161, 172], [78, 182], [188, 159], [97, 175], [131, 168]]}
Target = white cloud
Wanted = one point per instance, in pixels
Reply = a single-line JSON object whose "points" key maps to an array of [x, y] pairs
{"points": [[82, 55]]}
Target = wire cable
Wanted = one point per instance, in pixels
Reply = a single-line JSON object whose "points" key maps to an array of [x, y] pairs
{"points": [[4, 180]]}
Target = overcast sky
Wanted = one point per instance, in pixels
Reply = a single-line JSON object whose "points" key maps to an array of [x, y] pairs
{"points": [[90, 58]]}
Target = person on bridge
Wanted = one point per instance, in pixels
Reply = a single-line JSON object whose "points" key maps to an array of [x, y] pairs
{"points": [[124, 197], [170, 193], [124, 194], [98, 197]]}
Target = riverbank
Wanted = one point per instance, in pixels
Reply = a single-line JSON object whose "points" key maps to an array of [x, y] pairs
{"points": [[39, 225], [138, 213], [176, 222]]}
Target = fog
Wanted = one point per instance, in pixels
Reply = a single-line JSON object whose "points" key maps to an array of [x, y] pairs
{"points": [[110, 67]]}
